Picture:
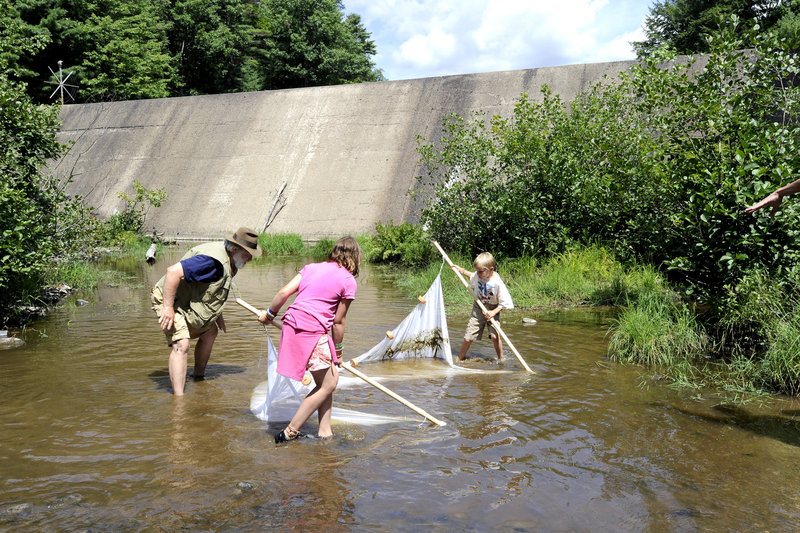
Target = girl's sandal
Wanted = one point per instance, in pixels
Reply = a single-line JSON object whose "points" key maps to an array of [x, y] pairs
{"points": [[286, 435]]}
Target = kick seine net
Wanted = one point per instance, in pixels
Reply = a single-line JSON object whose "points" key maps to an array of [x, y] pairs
{"points": [[422, 334]]}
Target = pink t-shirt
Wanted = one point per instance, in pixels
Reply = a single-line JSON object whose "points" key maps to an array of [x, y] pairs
{"points": [[322, 287]]}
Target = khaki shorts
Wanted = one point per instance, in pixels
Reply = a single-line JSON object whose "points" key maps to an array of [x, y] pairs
{"points": [[477, 322], [180, 329]]}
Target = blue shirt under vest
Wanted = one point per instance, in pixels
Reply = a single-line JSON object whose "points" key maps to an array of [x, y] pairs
{"points": [[202, 269]]}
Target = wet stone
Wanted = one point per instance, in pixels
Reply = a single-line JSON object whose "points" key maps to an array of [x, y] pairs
{"points": [[245, 486], [7, 343]]}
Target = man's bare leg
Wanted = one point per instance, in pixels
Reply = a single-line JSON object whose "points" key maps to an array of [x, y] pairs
{"points": [[177, 365], [202, 352]]}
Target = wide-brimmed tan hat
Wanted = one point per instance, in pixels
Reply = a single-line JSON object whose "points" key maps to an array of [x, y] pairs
{"points": [[247, 239]]}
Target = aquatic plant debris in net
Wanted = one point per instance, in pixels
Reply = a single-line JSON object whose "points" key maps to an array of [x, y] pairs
{"points": [[423, 333]]}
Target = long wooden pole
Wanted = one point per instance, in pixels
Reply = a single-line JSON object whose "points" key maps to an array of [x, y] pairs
{"points": [[358, 373], [397, 397], [483, 308]]}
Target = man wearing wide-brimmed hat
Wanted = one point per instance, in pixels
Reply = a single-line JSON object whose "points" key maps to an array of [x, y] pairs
{"points": [[189, 299]]}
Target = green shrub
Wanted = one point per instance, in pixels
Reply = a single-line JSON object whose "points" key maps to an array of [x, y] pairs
{"points": [[406, 244], [655, 165], [133, 216]]}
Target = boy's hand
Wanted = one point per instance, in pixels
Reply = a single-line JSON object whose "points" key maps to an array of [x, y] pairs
{"points": [[458, 270]]}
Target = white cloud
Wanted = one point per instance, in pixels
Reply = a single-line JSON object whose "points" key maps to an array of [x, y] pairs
{"points": [[421, 38], [426, 50]]}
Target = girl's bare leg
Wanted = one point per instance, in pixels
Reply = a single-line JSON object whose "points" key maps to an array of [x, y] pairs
{"points": [[324, 410], [316, 400]]}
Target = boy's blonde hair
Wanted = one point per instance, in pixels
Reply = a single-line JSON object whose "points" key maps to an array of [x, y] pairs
{"points": [[347, 253], [485, 260]]}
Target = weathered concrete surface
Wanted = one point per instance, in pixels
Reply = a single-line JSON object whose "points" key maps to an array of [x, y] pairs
{"points": [[348, 153]]}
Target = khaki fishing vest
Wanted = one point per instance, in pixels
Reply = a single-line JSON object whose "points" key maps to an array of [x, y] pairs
{"points": [[201, 303]]}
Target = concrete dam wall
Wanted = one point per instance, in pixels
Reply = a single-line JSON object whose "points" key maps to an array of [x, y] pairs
{"points": [[347, 154]]}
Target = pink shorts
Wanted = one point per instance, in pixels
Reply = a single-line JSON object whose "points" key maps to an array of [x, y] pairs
{"points": [[321, 356]]}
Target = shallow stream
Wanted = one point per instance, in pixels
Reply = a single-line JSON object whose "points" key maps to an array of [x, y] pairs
{"points": [[93, 440]]}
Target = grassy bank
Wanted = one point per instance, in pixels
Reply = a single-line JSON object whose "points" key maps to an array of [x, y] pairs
{"points": [[655, 328]]}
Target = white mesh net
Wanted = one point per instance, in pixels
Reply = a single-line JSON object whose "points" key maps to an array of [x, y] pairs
{"points": [[422, 334]]}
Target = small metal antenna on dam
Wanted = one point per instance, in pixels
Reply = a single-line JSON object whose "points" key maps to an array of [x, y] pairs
{"points": [[61, 83]]}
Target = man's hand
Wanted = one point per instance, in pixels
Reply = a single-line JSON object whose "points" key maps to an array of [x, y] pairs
{"points": [[221, 324], [773, 201], [167, 318]]}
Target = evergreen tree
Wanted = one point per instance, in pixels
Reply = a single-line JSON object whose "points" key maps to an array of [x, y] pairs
{"points": [[309, 43], [683, 24], [130, 49]]}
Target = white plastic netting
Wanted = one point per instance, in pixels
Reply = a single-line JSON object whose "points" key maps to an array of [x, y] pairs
{"points": [[422, 334]]}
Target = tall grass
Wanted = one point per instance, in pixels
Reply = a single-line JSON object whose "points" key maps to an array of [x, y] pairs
{"points": [[322, 249], [282, 244], [582, 276], [657, 332], [79, 274]]}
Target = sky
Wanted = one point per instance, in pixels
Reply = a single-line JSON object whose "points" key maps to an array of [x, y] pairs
{"points": [[427, 38]]}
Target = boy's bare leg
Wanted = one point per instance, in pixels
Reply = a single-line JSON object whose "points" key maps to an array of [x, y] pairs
{"points": [[464, 347], [498, 346], [177, 365]]}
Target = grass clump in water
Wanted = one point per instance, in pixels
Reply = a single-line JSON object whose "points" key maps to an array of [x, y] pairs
{"points": [[654, 331]]}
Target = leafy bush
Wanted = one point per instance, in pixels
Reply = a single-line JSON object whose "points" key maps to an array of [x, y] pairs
{"points": [[38, 222], [405, 243], [656, 166], [132, 218]]}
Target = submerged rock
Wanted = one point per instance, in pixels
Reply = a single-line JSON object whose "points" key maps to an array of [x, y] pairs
{"points": [[243, 487], [20, 509]]}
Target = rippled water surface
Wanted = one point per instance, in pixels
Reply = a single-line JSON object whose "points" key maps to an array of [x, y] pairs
{"points": [[93, 440]]}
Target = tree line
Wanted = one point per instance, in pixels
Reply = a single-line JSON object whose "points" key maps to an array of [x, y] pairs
{"points": [[135, 49]]}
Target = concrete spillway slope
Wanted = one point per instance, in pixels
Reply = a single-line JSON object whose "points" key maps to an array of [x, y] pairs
{"points": [[347, 153]]}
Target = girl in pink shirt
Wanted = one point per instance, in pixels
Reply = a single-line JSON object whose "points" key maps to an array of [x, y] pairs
{"points": [[313, 329]]}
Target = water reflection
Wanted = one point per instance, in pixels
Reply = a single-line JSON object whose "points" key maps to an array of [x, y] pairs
{"points": [[93, 440]]}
